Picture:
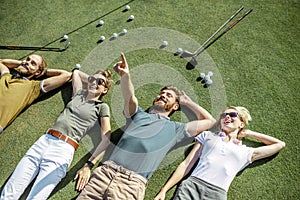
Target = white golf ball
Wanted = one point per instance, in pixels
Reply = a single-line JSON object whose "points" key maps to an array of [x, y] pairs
{"points": [[202, 75], [131, 17], [65, 37], [207, 78], [102, 38], [209, 82], [127, 7], [210, 74], [124, 31], [165, 43], [114, 35], [77, 66], [101, 22], [179, 50]]}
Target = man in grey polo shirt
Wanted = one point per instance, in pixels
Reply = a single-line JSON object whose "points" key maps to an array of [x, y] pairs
{"points": [[147, 138]]}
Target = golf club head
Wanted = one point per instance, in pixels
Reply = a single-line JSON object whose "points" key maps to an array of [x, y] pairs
{"points": [[66, 46], [186, 54], [193, 61]]}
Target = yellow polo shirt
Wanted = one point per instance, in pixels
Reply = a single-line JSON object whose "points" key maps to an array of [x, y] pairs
{"points": [[15, 95]]}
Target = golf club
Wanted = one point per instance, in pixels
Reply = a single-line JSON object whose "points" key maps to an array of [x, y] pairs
{"points": [[193, 61], [186, 54], [15, 47]]}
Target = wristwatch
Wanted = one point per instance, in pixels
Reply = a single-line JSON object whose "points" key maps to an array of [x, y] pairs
{"points": [[90, 164]]}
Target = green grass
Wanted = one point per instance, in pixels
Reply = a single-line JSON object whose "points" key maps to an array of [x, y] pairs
{"points": [[255, 65]]}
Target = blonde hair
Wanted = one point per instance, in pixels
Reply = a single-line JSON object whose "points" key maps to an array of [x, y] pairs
{"points": [[243, 113]]}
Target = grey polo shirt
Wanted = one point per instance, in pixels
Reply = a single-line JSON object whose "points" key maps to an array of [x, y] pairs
{"points": [[79, 116]]}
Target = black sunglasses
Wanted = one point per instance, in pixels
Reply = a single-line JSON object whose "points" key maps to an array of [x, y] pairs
{"points": [[231, 114], [99, 81]]}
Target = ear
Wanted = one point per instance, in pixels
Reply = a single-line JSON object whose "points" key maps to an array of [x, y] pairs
{"points": [[175, 106], [105, 90], [38, 74], [242, 125]]}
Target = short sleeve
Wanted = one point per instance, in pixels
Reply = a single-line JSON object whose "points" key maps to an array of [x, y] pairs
{"points": [[104, 110], [201, 137]]}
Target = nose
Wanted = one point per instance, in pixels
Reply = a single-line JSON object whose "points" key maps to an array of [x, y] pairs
{"points": [[227, 117]]}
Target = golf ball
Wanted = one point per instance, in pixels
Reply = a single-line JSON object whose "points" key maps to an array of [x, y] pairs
{"points": [[210, 74], [131, 17], [209, 82], [114, 35], [207, 78], [102, 38], [65, 37], [165, 43], [101, 22], [179, 50], [202, 75], [124, 31], [77, 66], [127, 7]]}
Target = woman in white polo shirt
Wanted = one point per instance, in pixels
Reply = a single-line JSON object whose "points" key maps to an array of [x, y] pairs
{"points": [[222, 156]]}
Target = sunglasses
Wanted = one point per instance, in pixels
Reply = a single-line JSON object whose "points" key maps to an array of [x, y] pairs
{"points": [[231, 114], [99, 81]]}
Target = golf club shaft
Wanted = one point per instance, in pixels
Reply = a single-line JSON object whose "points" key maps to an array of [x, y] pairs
{"points": [[226, 30], [221, 27]]}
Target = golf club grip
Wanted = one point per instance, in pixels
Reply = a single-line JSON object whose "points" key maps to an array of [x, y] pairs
{"points": [[242, 17], [200, 49], [226, 30]]}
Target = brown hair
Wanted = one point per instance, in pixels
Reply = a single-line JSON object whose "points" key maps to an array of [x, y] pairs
{"points": [[177, 92]]}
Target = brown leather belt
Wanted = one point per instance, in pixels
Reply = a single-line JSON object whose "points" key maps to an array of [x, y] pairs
{"points": [[119, 168], [63, 137]]}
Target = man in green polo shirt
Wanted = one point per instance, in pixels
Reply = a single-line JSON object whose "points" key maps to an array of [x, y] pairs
{"points": [[20, 85], [147, 138]]}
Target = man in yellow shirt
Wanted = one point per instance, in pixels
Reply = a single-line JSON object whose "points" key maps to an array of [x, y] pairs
{"points": [[21, 83]]}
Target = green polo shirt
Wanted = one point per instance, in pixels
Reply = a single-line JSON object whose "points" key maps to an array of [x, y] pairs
{"points": [[79, 116], [147, 139]]}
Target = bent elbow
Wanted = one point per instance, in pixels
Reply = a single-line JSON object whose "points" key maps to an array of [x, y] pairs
{"points": [[282, 145], [67, 75]]}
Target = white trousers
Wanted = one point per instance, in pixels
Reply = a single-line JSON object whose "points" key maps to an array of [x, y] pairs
{"points": [[47, 160]]}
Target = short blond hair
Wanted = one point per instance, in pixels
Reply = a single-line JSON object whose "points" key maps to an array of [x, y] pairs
{"points": [[243, 113]]}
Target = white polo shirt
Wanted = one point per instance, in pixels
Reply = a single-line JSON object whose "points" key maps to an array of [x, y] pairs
{"points": [[220, 161]]}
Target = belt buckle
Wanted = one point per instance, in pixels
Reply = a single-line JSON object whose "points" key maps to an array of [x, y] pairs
{"points": [[118, 168], [61, 135]]}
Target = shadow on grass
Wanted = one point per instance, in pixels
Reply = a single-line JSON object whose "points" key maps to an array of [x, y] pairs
{"points": [[80, 27]]}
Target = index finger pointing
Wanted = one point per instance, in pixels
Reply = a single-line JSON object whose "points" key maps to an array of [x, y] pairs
{"points": [[123, 58]]}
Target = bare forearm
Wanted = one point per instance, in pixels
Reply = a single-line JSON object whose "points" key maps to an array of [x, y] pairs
{"points": [[98, 153], [175, 178], [130, 101], [10, 63], [57, 72], [266, 139]]}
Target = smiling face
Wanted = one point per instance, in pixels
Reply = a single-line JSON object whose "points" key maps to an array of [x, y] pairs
{"points": [[166, 101], [97, 85], [30, 66], [230, 121]]}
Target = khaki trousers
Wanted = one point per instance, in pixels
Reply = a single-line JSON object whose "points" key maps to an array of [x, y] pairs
{"points": [[113, 182]]}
